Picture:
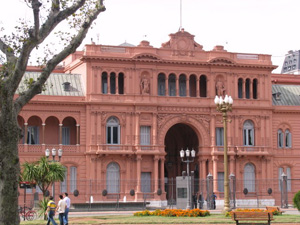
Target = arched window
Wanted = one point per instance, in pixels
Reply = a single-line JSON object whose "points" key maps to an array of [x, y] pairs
{"points": [[287, 171], [63, 184], [288, 139], [161, 87], [280, 138], [248, 133], [172, 85], [113, 178], [254, 90], [192, 84], [121, 83], [73, 179], [104, 83], [112, 83], [182, 85], [240, 88], [113, 131], [247, 86], [203, 86], [249, 177]]}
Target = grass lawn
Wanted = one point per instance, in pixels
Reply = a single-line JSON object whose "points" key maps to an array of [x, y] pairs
{"points": [[127, 219]]}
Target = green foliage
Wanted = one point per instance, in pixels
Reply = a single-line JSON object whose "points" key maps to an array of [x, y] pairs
{"points": [[43, 173], [296, 200], [43, 207]]}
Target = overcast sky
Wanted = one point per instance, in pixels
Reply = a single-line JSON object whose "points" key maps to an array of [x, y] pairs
{"points": [[245, 26]]}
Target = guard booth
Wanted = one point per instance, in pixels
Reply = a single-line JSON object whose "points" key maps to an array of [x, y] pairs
{"points": [[182, 191]]}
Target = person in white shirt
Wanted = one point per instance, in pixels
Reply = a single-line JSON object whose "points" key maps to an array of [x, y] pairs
{"points": [[61, 206], [68, 204]]}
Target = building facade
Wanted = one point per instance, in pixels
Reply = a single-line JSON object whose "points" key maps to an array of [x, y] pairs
{"points": [[121, 114]]}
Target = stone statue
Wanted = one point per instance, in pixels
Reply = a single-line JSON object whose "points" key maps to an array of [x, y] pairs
{"points": [[220, 89], [145, 85]]}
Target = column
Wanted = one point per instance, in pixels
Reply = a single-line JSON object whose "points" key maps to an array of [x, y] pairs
{"points": [[108, 83], [250, 89], [98, 128], [264, 168], [43, 133], [154, 129], [187, 86], [243, 87], [215, 173], [162, 174], [117, 83], [60, 133], [128, 175], [138, 172], [137, 128], [156, 158], [25, 133], [177, 86], [167, 86], [213, 130], [77, 134], [203, 169], [197, 87]]}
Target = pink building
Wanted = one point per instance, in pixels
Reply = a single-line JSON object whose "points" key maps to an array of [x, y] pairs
{"points": [[121, 114]]}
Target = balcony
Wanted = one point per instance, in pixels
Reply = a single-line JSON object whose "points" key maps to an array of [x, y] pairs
{"points": [[252, 150], [40, 149]]}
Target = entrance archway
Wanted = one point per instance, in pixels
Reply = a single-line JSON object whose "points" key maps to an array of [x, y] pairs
{"points": [[179, 136]]}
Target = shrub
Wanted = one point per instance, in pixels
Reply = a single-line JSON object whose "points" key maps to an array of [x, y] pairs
{"points": [[174, 213], [296, 200]]}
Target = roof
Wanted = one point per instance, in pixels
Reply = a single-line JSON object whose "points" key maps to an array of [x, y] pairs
{"points": [[55, 84], [125, 44], [283, 94]]}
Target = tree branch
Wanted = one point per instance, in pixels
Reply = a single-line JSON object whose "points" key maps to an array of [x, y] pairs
{"points": [[56, 59], [36, 15], [7, 50]]}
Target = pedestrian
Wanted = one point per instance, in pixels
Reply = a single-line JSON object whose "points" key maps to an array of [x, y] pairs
{"points": [[61, 206], [194, 198], [50, 212], [200, 200], [213, 199], [68, 204]]}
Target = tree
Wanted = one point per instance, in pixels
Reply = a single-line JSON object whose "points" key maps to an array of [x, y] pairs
{"points": [[16, 50], [43, 172]]}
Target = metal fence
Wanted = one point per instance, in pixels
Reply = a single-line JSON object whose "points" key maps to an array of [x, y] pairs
{"points": [[278, 191]]}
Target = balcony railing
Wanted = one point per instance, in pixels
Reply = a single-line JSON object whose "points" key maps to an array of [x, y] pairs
{"points": [[23, 148], [251, 149]]}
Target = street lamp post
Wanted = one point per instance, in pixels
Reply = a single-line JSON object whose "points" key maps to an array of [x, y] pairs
{"points": [[224, 106], [53, 152], [189, 157]]}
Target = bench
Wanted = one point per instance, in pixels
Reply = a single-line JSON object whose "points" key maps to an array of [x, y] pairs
{"points": [[272, 208], [259, 217]]}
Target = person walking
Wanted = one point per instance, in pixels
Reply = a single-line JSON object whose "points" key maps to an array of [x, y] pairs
{"points": [[50, 212], [61, 207], [68, 204]]}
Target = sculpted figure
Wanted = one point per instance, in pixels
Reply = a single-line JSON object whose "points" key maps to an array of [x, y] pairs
{"points": [[220, 89], [145, 86]]}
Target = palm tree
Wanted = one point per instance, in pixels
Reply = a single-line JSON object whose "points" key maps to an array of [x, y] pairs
{"points": [[43, 172]]}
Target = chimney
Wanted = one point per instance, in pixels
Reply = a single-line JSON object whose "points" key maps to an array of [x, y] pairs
{"points": [[67, 86]]}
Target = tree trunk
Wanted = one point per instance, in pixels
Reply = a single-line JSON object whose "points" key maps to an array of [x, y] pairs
{"points": [[9, 164]]}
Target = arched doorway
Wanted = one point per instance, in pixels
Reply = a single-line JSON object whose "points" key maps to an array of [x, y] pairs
{"points": [[179, 136]]}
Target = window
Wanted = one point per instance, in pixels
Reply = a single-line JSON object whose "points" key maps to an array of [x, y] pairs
{"points": [[203, 86], [219, 136], [145, 135], [161, 87], [287, 171], [247, 88], [121, 83], [221, 181], [33, 135], [172, 85], [249, 177], [240, 88], [63, 184], [280, 138], [113, 131], [248, 133], [288, 139], [66, 135], [192, 84], [254, 89], [104, 83], [146, 182], [73, 179], [113, 178], [182, 85], [113, 83]]}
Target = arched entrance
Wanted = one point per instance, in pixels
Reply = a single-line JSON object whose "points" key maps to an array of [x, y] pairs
{"points": [[179, 136]]}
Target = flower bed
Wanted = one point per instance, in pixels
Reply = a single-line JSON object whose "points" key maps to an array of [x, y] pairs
{"points": [[274, 211], [174, 213]]}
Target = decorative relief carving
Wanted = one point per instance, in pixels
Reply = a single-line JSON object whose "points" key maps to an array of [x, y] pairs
{"points": [[203, 119]]}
